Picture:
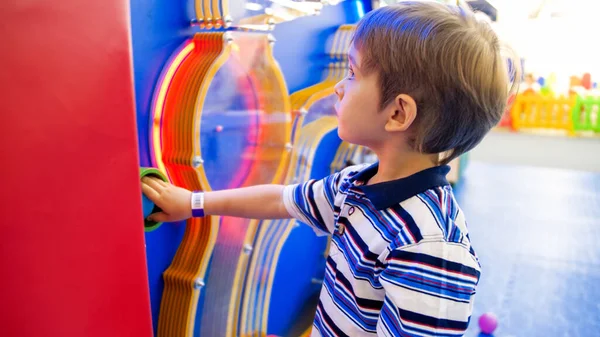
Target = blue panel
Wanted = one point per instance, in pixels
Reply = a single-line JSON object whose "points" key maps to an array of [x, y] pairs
{"points": [[199, 311], [536, 232], [158, 28], [302, 44]]}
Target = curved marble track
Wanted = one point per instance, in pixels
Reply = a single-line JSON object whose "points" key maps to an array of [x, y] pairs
{"points": [[210, 93], [267, 165], [222, 119], [173, 153]]}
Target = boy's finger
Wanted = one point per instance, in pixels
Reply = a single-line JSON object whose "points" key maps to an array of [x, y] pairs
{"points": [[153, 182], [161, 182], [158, 217], [150, 192]]}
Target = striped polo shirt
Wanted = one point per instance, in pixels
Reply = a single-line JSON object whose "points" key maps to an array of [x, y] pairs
{"points": [[400, 261]]}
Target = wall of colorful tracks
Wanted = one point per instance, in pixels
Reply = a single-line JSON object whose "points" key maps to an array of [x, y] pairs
{"points": [[214, 111]]}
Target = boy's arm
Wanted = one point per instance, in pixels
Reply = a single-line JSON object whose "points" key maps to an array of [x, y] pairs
{"points": [[429, 290], [311, 202], [256, 202]]}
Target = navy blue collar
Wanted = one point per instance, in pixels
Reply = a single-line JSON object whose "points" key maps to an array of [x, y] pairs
{"points": [[390, 193]]}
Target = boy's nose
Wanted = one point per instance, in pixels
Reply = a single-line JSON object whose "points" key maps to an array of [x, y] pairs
{"points": [[339, 89]]}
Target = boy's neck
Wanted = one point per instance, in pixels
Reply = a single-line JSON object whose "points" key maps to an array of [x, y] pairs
{"points": [[395, 165]]}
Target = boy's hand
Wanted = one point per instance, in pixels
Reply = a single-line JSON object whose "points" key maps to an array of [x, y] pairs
{"points": [[174, 201]]}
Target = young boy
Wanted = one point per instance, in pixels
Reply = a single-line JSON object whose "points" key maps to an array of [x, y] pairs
{"points": [[425, 83]]}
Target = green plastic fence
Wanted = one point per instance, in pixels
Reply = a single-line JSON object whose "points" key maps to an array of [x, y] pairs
{"points": [[586, 114]]}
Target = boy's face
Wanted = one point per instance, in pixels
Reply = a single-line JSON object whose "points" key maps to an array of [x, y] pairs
{"points": [[358, 105]]}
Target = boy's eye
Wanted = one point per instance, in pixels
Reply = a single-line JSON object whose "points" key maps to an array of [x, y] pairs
{"points": [[350, 72]]}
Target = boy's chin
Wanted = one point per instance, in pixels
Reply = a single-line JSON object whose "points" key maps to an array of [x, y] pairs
{"points": [[341, 134], [348, 138]]}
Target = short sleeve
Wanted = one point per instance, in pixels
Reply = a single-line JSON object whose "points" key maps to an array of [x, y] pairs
{"points": [[313, 202], [429, 290]]}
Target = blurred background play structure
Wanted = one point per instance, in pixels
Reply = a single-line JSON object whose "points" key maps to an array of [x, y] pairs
{"points": [[214, 94]]}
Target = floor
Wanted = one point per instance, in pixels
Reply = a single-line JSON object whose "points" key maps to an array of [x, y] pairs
{"points": [[537, 233]]}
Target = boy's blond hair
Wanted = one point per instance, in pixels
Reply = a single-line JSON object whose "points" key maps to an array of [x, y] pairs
{"points": [[448, 61]]}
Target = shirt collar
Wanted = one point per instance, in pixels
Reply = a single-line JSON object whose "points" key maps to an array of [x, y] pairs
{"points": [[389, 193]]}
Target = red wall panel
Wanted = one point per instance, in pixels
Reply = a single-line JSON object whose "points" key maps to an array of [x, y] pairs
{"points": [[72, 252]]}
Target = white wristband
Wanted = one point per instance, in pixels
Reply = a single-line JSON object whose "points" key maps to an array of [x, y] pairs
{"points": [[197, 201]]}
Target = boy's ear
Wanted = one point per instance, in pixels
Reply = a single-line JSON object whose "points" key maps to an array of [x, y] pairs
{"points": [[402, 113]]}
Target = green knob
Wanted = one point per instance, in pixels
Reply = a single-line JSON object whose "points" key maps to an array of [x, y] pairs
{"points": [[148, 206]]}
